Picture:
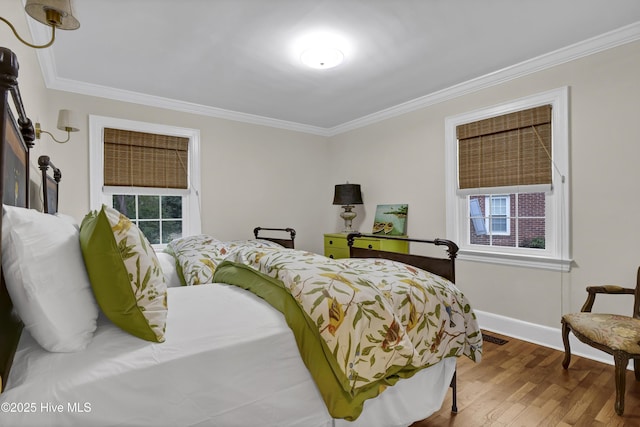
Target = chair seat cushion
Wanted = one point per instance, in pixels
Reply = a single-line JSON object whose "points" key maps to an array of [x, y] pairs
{"points": [[612, 330]]}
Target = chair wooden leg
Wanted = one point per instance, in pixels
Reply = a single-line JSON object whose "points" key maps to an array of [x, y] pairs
{"points": [[621, 361], [636, 368], [567, 348]]}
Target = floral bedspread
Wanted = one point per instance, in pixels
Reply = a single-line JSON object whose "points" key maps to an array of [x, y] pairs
{"points": [[197, 256], [377, 319]]}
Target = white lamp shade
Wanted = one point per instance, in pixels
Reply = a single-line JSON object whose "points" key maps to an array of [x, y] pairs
{"points": [[68, 121], [37, 9]]}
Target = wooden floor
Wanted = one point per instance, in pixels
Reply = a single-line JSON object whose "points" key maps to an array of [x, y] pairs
{"points": [[522, 384]]}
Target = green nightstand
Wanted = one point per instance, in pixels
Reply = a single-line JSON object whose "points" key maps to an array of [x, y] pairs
{"points": [[335, 245]]}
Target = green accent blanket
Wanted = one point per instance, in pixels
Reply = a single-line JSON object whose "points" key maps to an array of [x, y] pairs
{"points": [[360, 324]]}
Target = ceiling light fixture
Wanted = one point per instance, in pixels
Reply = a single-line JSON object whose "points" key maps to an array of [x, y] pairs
{"points": [[322, 57], [321, 49], [55, 13]]}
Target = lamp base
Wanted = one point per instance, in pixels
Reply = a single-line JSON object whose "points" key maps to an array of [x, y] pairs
{"points": [[348, 215]]}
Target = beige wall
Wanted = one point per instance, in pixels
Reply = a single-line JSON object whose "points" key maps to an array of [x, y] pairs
{"points": [[251, 175], [254, 175], [403, 161]]}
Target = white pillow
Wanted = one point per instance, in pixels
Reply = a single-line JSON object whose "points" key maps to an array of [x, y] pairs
{"points": [[71, 220], [168, 265], [46, 278]]}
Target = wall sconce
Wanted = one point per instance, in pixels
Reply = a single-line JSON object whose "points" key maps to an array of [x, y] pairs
{"points": [[67, 121], [347, 195], [55, 13]]}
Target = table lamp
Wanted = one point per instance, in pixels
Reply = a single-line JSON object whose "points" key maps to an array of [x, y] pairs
{"points": [[347, 195]]}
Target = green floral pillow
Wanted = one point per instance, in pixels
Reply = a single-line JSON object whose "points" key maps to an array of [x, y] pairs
{"points": [[125, 274]]}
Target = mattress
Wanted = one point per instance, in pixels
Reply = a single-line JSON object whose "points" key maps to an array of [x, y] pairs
{"points": [[229, 359]]}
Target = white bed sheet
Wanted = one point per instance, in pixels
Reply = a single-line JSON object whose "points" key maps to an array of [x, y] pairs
{"points": [[229, 359]]}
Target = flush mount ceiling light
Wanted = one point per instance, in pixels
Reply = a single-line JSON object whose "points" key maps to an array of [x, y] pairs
{"points": [[322, 57], [321, 49]]}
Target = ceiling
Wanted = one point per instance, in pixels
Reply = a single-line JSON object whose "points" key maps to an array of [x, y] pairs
{"points": [[239, 59]]}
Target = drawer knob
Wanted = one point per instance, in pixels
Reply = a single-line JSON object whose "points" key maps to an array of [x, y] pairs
{"points": [[331, 242], [370, 247]]}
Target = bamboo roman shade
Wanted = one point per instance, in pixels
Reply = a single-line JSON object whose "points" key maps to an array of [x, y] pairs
{"points": [[510, 150], [139, 159]]}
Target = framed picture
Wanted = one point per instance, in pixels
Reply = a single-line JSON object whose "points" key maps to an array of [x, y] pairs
{"points": [[391, 220]]}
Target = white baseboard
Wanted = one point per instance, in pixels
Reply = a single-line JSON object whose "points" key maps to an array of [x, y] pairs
{"points": [[541, 335]]}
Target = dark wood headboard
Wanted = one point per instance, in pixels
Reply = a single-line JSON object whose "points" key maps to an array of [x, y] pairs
{"points": [[444, 267], [287, 243], [17, 138], [50, 185]]}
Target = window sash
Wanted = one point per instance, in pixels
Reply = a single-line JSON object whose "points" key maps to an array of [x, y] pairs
{"points": [[157, 226]]}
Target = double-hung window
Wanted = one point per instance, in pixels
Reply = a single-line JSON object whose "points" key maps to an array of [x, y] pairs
{"points": [[497, 214], [148, 172], [507, 191]]}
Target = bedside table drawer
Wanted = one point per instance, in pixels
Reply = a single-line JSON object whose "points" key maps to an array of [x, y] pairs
{"points": [[335, 241], [366, 244], [336, 253], [335, 245]]}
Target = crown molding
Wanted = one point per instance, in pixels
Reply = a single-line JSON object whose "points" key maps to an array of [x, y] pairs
{"points": [[615, 38], [176, 105]]}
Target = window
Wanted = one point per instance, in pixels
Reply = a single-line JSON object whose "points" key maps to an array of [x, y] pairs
{"points": [[497, 215], [512, 220], [148, 172], [158, 217], [507, 190]]}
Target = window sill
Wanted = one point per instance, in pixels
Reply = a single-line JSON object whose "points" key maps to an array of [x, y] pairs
{"points": [[159, 247], [546, 263]]}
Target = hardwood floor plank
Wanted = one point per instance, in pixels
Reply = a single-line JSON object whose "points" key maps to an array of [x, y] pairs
{"points": [[520, 384]]}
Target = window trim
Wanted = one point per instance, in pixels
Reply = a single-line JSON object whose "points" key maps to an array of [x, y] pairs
{"points": [[99, 194], [557, 254]]}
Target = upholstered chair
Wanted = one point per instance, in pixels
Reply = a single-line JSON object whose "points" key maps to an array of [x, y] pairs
{"points": [[612, 333]]}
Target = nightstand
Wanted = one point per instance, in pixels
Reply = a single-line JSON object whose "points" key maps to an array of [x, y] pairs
{"points": [[335, 245]]}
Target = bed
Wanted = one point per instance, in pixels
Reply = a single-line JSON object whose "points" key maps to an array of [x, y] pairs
{"points": [[50, 184], [217, 354], [276, 235]]}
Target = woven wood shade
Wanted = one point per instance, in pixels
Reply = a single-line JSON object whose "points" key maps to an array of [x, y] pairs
{"points": [[509, 150], [139, 159]]}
